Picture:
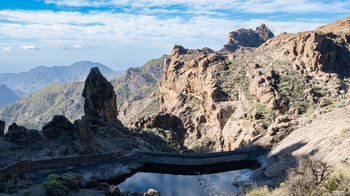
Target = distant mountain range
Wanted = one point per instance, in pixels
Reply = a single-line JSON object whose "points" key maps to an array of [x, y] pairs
{"points": [[26, 83], [35, 110], [6, 96]]}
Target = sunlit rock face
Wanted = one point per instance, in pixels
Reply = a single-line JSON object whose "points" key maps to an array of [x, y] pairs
{"points": [[248, 37]]}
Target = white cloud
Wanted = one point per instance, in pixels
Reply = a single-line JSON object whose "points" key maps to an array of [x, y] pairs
{"points": [[6, 49], [30, 47], [246, 6], [77, 46], [78, 30]]}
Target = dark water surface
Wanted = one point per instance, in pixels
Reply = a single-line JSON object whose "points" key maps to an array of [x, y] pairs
{"points": [[185, 185]]}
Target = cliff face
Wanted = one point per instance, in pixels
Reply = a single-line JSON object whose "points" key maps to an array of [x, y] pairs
{"points": [[189, 89], [225, 99]]}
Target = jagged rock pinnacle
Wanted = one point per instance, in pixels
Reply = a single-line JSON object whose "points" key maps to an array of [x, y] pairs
{"points": [[248, 37], [100, 98]]}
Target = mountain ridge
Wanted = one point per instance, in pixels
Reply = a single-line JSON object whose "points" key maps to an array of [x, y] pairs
{"points": [[65, 99], [6, 96], [26, 83]]}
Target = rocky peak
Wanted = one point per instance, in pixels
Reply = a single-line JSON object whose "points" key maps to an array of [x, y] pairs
{"points": [[100, 98], [178, 50], [337, 27], [248, 37], [264, 32]]}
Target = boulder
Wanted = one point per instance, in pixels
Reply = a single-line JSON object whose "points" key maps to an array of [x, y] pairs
{"points": [[85, 141], [152, 192], [59, 126], [113, 191], [2, 128], [164, 121], [100, 98], [21, 135]]}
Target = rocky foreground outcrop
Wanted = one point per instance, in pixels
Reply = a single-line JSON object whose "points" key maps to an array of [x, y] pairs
{"points": [[59, 126], [23, 136], [165, 122], [99, 131]]}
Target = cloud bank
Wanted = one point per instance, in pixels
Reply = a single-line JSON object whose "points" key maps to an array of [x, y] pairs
{"points": [[103, 28]]}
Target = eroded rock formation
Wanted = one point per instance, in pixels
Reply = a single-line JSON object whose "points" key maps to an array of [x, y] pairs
{"points": [[84, 137], [234, 95], [59, 126], [23, 136], [248, 38], [163, 121], [263, 87], [100, 98]]}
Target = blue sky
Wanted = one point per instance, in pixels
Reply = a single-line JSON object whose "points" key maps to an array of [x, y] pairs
{"points": [[126, 33]]}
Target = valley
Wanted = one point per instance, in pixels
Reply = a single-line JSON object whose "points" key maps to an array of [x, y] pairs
{"points": [[282, 100]]}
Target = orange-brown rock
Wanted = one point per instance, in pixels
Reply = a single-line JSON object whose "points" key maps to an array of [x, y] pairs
{"points": [[234, 96], [263, 87], [248, 37], [325, 49], [337, 27], [189, 91]]}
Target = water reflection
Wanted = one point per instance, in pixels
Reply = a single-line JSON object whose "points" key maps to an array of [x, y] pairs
{"points": [[174, 185]]}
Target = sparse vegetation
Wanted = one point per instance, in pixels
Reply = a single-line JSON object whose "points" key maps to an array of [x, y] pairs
{"points": [[68, 178], [293, 87], [311, 177], [53, 177], [126, 192], [54, 184], [28, 182], [267, 116]]}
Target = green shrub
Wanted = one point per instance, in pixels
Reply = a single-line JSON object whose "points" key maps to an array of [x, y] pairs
{"points": [[68, 178], [53, 184], [258, 191], [53, 177], [28, 182], [330, 184], [338, 183], [126, 193]]}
